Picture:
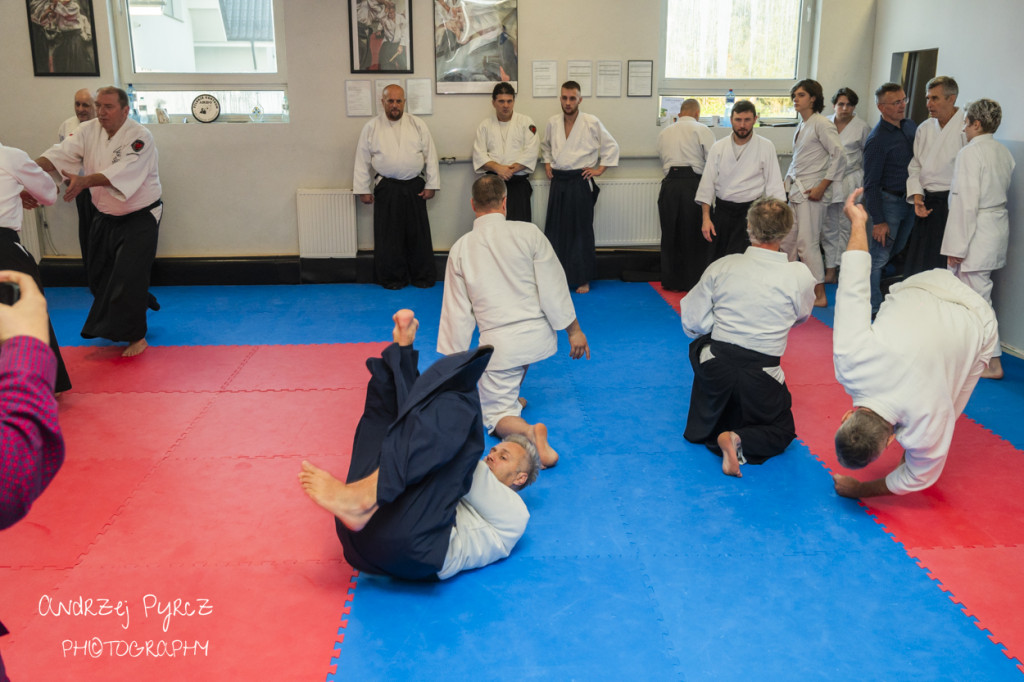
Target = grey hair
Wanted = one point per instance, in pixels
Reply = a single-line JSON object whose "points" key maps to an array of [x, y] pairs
{"points": [[532, 456], [886, 87], [861, 439], [769, 220], [948, 85], [987, 112]]}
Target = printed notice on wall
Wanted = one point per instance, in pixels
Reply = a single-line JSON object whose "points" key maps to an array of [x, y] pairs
{"points": [[545, 78]]}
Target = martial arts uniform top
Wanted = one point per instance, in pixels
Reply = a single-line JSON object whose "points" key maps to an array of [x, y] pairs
{"points": [[917, 364], [589, 144], [399, 150], [754, 175], [854, 136], [817, 155], [505, 278], [978, 227], [750, 299], [68, 128], [489, 520], [685, 143], [515, 141], [935, 150], [128, 160], [17, 171]]}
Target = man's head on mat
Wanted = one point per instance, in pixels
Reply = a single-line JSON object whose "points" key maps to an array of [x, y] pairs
{"points": [[489, 195], [514, 461], [861, 438], [768, 221]]}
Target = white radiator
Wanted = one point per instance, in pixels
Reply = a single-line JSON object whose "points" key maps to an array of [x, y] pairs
{"points": [[626, 213], [327, 223]]}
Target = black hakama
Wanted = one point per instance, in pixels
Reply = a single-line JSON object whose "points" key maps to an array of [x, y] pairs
{"points": [[520, 191], [924, 249], [730, 221], [684, 251], [402, 249], [570, 224], [86, 213]]}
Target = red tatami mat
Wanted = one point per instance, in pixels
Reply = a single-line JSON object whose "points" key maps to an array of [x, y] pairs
{"points": [[273, 368], [101, 369]]}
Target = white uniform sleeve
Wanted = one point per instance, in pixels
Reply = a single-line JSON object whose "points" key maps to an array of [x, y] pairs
{"points": [[914, 168], [431, 172], [67, 156], [129, 173], [362, 176], [773, 186], [696, 309], [829, 137], [531, 146], [922, 465], [552, 287], [609, 154], [480, 155], [964, 202], [34, 179], [455, 331], [545, 144], [706, 188], [851, 330]]}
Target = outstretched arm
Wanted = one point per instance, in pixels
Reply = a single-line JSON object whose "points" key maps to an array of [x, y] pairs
{"points": [[848, 486]]}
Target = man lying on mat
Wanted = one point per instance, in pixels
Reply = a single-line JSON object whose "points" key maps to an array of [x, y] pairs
{"points": [[740, 313], [419, 503], [910, 373]]}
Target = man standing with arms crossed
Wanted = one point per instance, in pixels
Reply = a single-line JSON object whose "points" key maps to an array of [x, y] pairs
{"points": [[507, 145]]}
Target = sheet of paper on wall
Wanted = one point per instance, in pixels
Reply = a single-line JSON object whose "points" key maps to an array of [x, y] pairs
{"points": [[545, 78], [640, 78], [358, 98], [582, 72], [609, 78], [419, 99]]}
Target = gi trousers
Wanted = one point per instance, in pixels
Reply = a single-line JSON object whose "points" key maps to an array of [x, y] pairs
{"points": [[570, 224]]}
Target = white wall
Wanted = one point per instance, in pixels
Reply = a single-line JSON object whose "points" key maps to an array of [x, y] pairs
{"points": [[980, 45]]}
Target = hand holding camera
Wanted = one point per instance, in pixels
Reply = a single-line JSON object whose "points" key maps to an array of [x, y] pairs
{"points": [[25, 315]]}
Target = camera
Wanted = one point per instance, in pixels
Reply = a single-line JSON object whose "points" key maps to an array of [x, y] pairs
{"points": [[9, 293]]}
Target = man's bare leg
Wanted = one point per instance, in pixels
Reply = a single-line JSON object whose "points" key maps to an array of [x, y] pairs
{"points": [[406, 325], [354, 504], [535, 433], [135, 348], [730, 444], [583, 288], [994, 369]]}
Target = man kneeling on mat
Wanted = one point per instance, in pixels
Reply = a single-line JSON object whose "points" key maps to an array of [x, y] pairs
{"points": [[740, 314], [910, 373], [419, 503]]}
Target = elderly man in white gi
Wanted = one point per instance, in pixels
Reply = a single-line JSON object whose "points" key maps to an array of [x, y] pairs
{"points": [[398, 150], [504, 278], [740, 169], [978, 227], [910, 373], [740, 314], [819, 160], [683, 148], [507, 145], [930, 174], [119, 160], [85, 110], [576, 148]]}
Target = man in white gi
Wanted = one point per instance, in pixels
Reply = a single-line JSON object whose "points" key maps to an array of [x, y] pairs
{"points": [[120, 164], [507, 145], [740, 169], [85, 110], [576, 148], [930, 174], [398, 148], [683, 148], [740, 314], [20, 176], [419, 504], [504, 278], [978, 227], [910, 373], [818, 160]]}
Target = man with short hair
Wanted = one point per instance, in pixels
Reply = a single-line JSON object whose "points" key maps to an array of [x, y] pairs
{"points": [[576, 148], [740, 169], [887, 153], [930, 174], [910, 373], [504, 278], [119, 159], [398, 148], [419, 504], [683, 148], [507, 145], [85, 110], [740, 314]]}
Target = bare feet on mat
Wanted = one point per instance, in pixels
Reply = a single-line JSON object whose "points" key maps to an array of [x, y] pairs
{"points": [[538, 435], [583, 288], [730, 444], [135, 348], [994, 369], [820, 300], [351, 504], [831, 276], [406, 325]]}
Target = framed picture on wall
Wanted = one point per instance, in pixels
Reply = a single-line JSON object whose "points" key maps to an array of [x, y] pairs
{"points": [[476, 44], [380, 35], [62, 36]]}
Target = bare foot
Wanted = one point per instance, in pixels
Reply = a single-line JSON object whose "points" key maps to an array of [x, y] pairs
{"points": [[522, 401], [820, 300], [730, 444], [994, 369], [350, 503], [831, 277], [583, 288], [406, 325], [135, 348], [538, 435]]}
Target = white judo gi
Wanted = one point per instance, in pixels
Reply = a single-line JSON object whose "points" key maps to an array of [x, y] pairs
{"points": [[741, 179], [400, 150], [836, 231], [504, 278], [917, 364]]}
